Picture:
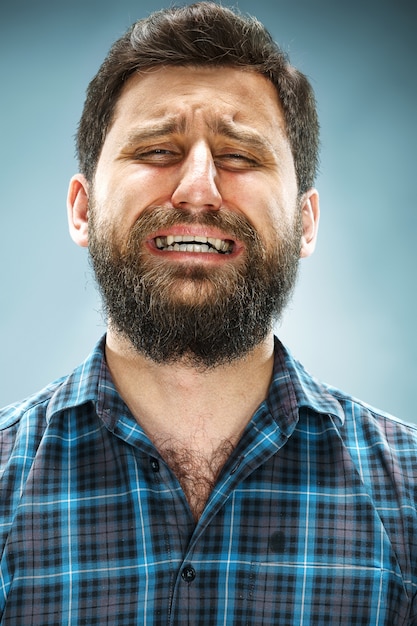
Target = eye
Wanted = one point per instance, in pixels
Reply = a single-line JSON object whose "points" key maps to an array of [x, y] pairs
{"points": [[158, 156], [156, 152], [236, 160]]}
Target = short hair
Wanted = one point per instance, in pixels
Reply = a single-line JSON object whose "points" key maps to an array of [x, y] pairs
{"points": [[203, 34]]}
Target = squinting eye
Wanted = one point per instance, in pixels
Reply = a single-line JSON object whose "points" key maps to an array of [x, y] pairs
{"points": [[238, 160], [160, 156], [155, 152]]}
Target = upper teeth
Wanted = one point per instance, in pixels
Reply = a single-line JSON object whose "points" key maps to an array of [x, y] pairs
{"points": [[193, 243]]}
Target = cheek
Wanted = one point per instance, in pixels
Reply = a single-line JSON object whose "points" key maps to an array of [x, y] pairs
{"points": [[145, 188], [267, 217], [263, 198], [246, 195], [122, 197]]}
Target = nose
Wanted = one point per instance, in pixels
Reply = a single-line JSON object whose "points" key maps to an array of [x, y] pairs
{"points": [[197, 186]]}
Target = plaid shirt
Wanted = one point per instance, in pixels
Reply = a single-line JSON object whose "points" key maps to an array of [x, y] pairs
{"points": [[312, 521]]}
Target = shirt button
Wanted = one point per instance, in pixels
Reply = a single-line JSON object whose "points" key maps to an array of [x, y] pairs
{"points": [[155, 465], [188, 574]]}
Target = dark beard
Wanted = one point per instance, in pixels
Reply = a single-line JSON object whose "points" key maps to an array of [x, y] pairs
{"points": [[221, 316]]}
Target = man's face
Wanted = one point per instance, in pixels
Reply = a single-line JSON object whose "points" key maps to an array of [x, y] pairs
{"points": [[195, 229]]}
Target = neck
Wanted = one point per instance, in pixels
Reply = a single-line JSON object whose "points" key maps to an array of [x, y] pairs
{"points": [[178, 402]]}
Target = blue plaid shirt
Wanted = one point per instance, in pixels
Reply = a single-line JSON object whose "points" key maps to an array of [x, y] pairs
{"points": [[312, 521]]}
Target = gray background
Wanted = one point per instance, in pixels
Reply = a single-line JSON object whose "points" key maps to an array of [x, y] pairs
{"points": [[352, 320]]}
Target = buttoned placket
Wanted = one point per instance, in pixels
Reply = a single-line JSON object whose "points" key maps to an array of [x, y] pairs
{"points": [[185, 556], [237, 469]]}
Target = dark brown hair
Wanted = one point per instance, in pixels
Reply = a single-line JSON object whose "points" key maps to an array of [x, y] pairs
{"points": [[200, 34]]}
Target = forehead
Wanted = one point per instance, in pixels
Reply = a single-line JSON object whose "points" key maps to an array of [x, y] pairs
{"points": [[216, 97]]}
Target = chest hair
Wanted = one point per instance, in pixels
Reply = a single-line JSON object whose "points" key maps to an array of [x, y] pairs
{"points": [[196, 471]]}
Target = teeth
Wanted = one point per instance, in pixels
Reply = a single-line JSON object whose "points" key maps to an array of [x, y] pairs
{"points": [[193, 243], [190, 238]]}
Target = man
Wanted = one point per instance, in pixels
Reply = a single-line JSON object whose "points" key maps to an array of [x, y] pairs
{"points": [[190, 471]]}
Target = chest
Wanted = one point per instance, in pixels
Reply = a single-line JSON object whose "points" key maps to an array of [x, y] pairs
{"points": [[196, 470], [105, 535]]}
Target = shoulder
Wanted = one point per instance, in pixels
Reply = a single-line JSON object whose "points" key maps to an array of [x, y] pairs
{"points": [[350, 411], [374, 438], [375, 422], [383, 448], [383, 452], [37, 403], [22, 426]]}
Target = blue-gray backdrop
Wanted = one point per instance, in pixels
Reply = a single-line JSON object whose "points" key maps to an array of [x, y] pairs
{"points": [[352, 320]]}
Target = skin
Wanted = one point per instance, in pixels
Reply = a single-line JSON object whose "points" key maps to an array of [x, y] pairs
{"points": [[198, 139]]}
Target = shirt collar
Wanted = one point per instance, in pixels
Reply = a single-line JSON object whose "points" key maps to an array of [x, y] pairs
{"points": [[292, 388], [82, 386], [298, 387]]}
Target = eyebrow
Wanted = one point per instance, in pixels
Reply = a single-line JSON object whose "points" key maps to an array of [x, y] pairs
{"points": [[157, 130], [242, 135]]}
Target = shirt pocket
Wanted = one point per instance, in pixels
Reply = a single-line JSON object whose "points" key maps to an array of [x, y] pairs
{"points": [[324, 593]]}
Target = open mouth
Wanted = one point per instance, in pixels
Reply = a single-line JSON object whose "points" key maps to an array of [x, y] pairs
{"points": [[194, 243]]}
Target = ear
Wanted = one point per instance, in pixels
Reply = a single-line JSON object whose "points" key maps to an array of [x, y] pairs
{"points": [[310, 212], [77, 207]]}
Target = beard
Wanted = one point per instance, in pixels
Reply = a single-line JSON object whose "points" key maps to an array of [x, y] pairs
{"points": [[204, 316]]}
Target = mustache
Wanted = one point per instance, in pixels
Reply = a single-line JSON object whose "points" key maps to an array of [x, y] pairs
{"points": [[232, 224]]}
